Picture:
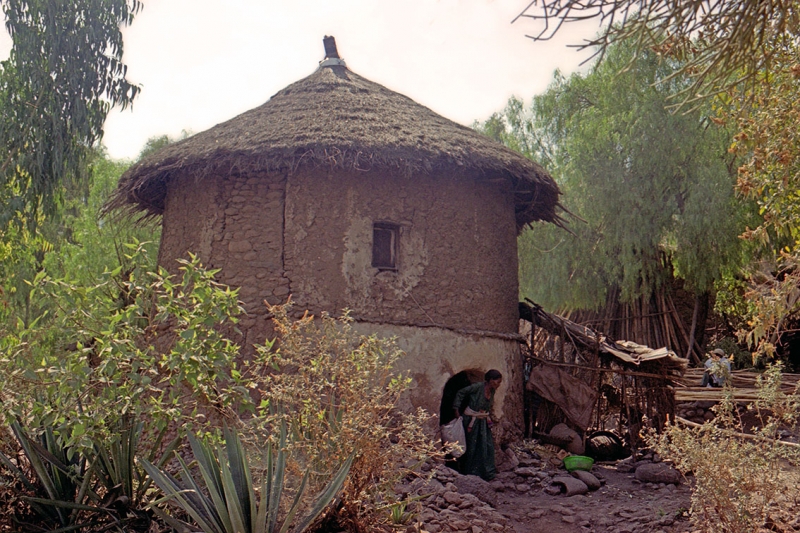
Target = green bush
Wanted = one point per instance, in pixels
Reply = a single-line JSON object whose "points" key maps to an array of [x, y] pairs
{"points": [[737, 478], [135, 344]]}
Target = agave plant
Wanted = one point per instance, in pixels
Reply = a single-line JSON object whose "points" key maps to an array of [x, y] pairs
{"points": [[69, 489], [225, 501], [57, 480]]}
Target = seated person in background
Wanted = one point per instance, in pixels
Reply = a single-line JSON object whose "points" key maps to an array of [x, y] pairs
{"points": [[718, 369]]}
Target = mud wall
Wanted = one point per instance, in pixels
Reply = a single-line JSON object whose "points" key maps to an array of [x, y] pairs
{"points": [[310, 235], [234, 224], [457, 254]]}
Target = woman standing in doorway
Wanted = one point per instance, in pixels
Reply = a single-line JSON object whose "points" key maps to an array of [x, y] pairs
{"points": [[477, 401]]}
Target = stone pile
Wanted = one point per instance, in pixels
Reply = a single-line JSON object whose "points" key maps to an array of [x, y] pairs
{"points": [[648, 468], [454, 503], [532, 488], [696, 411]]}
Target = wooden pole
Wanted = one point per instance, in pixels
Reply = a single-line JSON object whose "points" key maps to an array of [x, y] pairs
{"points": [[682, 329], [693, 329], [738, 434]]}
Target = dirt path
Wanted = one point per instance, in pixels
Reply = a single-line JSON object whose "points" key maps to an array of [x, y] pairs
{"points": [[622, 505], [526, 498]]}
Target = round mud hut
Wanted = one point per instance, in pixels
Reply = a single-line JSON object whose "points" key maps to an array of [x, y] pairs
{"points": [[345, 194]]}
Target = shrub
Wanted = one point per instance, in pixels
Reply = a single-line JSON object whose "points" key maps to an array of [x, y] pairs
{"points": [[135, 344], [737, 477], [340, 391]]}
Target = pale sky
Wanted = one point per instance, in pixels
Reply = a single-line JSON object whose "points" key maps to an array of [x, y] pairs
{"points": [[201, 62]]}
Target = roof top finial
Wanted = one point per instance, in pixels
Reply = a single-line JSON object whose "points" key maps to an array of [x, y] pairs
{"points": [[332, 58]]}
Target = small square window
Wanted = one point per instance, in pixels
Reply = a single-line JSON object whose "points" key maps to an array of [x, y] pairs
{"points": [[384, 245]]}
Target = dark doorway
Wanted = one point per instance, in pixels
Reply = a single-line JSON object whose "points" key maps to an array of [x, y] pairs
{"points": [[451, 388]]}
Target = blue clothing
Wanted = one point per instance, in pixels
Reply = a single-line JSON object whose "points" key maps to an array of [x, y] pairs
{"points": [[717, 371]]}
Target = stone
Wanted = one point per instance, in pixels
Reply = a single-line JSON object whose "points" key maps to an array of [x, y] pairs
{"points": [[476, 486], [657, 473], [512, 458], [568, 519], [576, 443], [458, 523], [571, 485], [498, 486], [592, 482], [526, 471], [561, 509], [553, 489], [522, 487], [453, 498]]}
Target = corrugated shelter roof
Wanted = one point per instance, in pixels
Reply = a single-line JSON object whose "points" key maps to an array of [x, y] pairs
{"points": [[624, 351], [336, 118]]}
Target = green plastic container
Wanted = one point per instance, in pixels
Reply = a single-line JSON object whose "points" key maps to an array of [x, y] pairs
{"points": [[578, 462]]}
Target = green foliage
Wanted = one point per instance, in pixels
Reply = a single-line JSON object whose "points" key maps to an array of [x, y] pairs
{"points": [[75, 243], [224, 500], [132, 344], [768, 120], [736, 478], [156, 143], [655, 188], [722, 44], [64, 74]]}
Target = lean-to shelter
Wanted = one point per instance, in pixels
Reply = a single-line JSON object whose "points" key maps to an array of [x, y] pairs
{"points": [[345, 194], [594, 382]]}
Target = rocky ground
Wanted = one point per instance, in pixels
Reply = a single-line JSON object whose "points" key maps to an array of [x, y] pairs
{"points": [[533, 493]]}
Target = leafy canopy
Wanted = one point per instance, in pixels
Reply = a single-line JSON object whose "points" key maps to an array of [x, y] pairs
{"points": [[655, 188], [64, 74], [722, 42]]}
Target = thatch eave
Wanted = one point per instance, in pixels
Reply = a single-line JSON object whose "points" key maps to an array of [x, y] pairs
{"points": [[339, 120]]}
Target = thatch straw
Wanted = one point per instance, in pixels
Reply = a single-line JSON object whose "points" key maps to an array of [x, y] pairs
{"points": [[335, 118]]}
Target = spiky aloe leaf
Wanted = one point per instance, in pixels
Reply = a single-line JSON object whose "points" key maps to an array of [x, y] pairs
{"points": [[295, 504], [242, 479], [173, 490], [209, 469], [42, 473], [276, 476], [146, 481], [232, 502], [327, 495]]}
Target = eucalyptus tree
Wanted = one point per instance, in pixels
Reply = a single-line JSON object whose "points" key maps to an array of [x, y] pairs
{"points": [[63, 76], [746, 54]]}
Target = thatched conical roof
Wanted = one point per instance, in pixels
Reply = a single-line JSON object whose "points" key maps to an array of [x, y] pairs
{"points": [[336, 118]]}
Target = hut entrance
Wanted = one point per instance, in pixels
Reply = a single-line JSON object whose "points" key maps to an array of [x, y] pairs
{"points": [[451, 388]]}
